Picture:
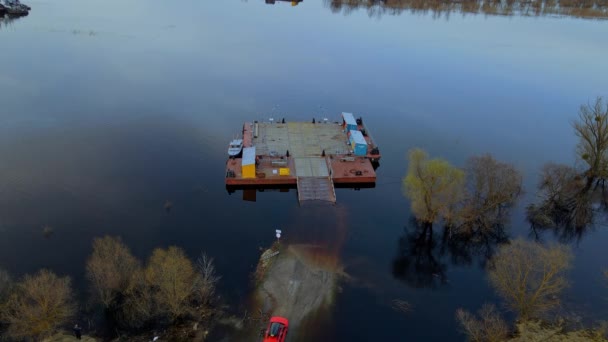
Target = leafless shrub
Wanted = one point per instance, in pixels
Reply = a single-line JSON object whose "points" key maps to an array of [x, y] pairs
{"points": [[529, 276], [172, 278], [592, 131], [492, 188], [39, 305], [137, 306], [110, 269], [487, 326], [207, 279], [563, 203]]}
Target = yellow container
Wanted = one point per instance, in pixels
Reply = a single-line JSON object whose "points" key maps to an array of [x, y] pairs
{"points": [[248, 171], [284, 171], [248, 162]]}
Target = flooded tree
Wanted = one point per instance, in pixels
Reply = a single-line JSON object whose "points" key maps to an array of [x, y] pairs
{"points": [[592, 131], [564, 205], [530, 277], [173, 280], [473, 205], [492, 187], [137, 307], [569, 199], [433, 186], [487, 326], [206, 281], [110, 270], [471, 201], [38, 306], [169, 288]]}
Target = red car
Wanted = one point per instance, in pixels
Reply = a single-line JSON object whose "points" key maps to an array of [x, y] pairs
{"points": [[277, 330]]}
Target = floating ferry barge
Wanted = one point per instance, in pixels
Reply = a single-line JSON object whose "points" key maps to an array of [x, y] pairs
{"points": [[313, 156]]}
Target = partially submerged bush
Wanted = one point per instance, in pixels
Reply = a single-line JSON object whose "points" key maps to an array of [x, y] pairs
{"points": [[492, 188], [563, 200], [169, 288], [531, 331], [39, 305], [110, 270], [178, 288], [487, 326], [530, 277], [172, 277]]}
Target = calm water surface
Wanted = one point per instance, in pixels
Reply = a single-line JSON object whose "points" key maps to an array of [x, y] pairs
{"points": [[107, 111]]}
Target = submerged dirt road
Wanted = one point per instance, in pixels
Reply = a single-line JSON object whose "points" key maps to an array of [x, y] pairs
{"points": [[296, 283]]}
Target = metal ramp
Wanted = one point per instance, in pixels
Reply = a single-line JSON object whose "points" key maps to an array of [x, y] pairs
{"points": [[316, 189], [314, 180]]}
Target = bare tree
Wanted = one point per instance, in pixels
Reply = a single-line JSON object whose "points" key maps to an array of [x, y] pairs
{"points": [[489, 327], [110, 269], [169, 287], [137, 306], [529, 276], [206, 280], [592, 131], [492, 188], [563, 203], [172, 278], [39, 305], [434, 187]]}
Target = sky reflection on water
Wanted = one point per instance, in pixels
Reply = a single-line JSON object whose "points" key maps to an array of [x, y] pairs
{"points": [[104, 116]]}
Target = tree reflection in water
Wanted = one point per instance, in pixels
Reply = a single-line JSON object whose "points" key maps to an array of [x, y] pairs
{"points": [[478, 245], [423, 254], [567, 224], [597, 9], [566, 206], [7, 21], [418, 262]]}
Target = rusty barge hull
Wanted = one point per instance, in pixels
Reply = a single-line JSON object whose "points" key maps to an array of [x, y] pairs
{"points": [[359, 171]]}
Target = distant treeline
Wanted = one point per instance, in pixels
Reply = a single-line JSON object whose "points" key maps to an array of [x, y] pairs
{"points": [[596, 9]]}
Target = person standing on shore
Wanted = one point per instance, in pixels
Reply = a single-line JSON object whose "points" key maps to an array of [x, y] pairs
{"points": [[77, 331]]}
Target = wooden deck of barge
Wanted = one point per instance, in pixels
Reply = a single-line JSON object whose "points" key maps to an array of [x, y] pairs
{"points": [[317, 155]]}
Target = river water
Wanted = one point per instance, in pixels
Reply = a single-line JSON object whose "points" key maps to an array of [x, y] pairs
{"points": [[107, 111]]}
